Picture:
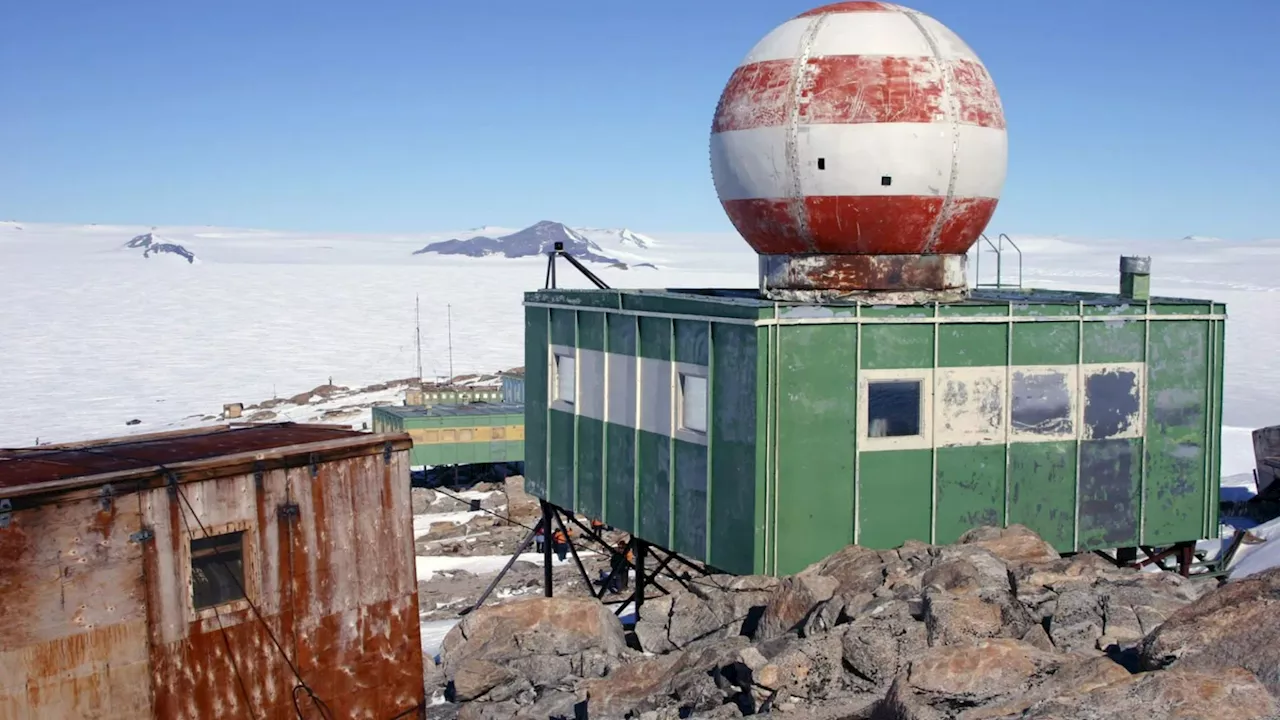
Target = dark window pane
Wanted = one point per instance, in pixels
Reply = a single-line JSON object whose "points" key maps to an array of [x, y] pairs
{"points": [[893, 408], [1111, 403], [217, 569], [1041, 404]]}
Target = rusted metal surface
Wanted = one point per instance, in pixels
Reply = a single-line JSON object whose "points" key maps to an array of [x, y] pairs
{"points": [[46, 464], [328, 566], [918, 277], [73, 633]]}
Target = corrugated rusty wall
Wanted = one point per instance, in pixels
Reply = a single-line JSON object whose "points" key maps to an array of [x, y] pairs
{"points": [[93, 625], [73, 626], [335, 583]]}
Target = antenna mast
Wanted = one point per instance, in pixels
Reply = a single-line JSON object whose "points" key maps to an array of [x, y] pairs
{"points": [[417, 315], [449, 320]]}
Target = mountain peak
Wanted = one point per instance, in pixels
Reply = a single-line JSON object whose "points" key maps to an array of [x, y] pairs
{"points": [[537, 239], [153, 244]]}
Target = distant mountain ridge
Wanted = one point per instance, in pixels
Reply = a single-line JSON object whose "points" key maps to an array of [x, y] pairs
{"points": [[154, 244], [539, 239]]}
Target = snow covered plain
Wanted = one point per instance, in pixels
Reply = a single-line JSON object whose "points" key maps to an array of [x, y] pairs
{"points": [[93, 334]]}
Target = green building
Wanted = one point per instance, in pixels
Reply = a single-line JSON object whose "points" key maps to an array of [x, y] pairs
{"points": [[457, 434], [760, 436]]}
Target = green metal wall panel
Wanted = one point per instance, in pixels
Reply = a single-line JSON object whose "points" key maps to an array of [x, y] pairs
{"points": [[1116, 341], [689, 511], [895, 504], [1042, 490], [1110, 476], [896, 346], [764, 457], [1046, 343], [972, 345], [564, 329], [736, 415], [622, 334], [536, 358], [591, 330], [816, 427], [1177, 424], [620, 474], [691, 342], [654, 486], [970, 490], [590, 467], [560, 458], [655, 338]]}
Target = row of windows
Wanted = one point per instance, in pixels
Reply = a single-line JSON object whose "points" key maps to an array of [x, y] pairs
{"points": [[1049, 403], [454, 396], [691, 393]]}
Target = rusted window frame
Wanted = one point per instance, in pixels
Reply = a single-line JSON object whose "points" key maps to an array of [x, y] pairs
{"points": [[249, 563]]}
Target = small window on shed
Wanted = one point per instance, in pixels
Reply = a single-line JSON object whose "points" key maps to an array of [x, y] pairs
{"points": [[693, 403], [566, 378], [217, 570], [893, 408]]}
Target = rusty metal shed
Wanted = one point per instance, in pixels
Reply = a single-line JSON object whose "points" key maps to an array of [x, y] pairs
{"points": [[231, 572]]}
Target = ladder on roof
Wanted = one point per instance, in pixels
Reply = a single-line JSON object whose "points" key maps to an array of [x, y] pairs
{"points": [[998, 248]]}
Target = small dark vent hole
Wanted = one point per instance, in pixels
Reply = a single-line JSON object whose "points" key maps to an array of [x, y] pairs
{"points": [[822, 163], [886, 180]]}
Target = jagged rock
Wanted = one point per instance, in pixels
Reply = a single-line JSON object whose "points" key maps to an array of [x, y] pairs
{"points": [[856, 569], [552, 704], [876, 644], [791, 603], [1177, 693], [1015, 545], [677, 620], [636, 686], [500, 651], [1235, 625], [942, 682], [522, 508], [950, 619]]}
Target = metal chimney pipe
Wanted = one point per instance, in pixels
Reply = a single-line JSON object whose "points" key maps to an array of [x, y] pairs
{"points": [[1135, 277]]}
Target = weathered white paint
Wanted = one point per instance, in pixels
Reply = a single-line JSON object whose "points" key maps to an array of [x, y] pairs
{"points": [[656, 394], [969, 406], [591, 388], [750, 164], [621, 389], [888, 33]]}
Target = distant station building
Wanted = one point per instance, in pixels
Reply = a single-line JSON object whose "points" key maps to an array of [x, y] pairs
{"points": [[224, 572]]}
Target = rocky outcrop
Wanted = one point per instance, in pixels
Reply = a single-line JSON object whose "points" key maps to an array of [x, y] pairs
{"points": [[523, 649], [1236, 626], [995, 626]]}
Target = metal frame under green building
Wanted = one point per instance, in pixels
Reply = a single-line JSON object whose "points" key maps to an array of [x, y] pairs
{"points": [[759, 437]]}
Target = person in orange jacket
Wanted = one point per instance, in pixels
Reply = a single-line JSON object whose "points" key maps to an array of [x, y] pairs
{"points": [[560, 544]]}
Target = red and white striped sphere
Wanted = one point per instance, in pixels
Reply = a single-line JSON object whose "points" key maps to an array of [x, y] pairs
{"points": [[860, 128]]}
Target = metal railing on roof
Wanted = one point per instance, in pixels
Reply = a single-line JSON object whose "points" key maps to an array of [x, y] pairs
{"points": [[998, 248]]}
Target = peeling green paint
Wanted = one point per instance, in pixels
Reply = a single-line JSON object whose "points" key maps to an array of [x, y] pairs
{"points": [[970, 490], [1042, 482]]}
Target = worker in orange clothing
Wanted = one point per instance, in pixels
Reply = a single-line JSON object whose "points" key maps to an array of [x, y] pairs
{"points": [[597, 527], [560, 544]]}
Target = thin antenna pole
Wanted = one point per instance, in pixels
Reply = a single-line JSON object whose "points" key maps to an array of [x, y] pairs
{"points": [[417, 313], [449, 320]]}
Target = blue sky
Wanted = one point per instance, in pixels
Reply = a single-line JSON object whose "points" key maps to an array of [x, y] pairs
{"points": [[1124, 121]]}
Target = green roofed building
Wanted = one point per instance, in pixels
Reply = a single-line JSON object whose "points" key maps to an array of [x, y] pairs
{"points": [[760, 436]]}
